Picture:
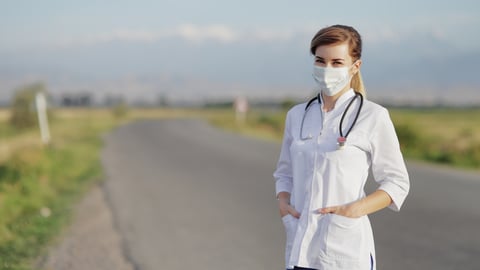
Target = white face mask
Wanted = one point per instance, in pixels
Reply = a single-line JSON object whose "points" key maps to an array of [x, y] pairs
{"points": [[330, 80]]}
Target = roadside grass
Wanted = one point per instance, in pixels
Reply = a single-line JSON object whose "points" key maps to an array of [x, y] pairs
{"points": [[6, 131], [39, 184]]}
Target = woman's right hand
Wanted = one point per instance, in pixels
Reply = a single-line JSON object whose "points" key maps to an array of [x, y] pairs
{"points": [[286, 209]]}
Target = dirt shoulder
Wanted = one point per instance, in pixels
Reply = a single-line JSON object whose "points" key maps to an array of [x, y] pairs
{"points": [[91, 241]]}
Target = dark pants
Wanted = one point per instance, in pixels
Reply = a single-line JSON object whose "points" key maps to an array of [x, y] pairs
{"points": [[303, 268]]}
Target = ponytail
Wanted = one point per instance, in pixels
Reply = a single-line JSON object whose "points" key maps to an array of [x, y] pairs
{"points": [[357, 84]]}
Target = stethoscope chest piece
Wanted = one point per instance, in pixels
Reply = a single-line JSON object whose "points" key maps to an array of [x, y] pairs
{"points": [[341, 142]]}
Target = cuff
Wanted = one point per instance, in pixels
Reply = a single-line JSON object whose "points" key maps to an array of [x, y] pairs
{"points": [[283, 185], [397, 193]]}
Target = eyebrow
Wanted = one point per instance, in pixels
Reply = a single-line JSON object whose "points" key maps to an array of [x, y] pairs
{"points": [[335, 59]]}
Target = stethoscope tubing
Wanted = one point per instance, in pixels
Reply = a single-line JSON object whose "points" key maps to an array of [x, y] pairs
{"points": [[310, 102]]}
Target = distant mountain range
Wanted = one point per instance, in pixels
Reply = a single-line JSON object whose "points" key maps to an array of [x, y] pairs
{"points": [[422, 69]]}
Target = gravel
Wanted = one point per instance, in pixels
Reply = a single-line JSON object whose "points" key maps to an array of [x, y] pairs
{"points": [[90, 242]]}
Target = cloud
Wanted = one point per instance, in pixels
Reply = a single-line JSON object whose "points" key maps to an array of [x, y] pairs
{"points": [[192, 33], [128, 35], [188, 32], [226, 34], [117, 35], [272, 35], [220, 33]]}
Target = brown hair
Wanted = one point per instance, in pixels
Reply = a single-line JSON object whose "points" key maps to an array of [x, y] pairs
{"points": [[340, 34]]}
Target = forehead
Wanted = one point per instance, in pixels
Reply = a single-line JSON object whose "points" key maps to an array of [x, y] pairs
{"points": [[333, 51]]}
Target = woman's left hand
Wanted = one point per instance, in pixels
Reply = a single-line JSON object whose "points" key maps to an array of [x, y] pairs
{"points": [[379, 199], [348, 210]]}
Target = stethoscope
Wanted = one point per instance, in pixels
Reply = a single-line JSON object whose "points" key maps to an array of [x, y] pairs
{"points": [[343, 138]]}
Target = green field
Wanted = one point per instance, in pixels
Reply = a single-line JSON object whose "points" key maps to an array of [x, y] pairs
{"points": [[447, 136], [39, 184]]}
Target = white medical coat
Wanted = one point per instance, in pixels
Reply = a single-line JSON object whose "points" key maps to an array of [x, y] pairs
{"points": [[317, 174]]}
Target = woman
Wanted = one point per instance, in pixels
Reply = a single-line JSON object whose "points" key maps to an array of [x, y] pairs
{"points": [[329, 145]]}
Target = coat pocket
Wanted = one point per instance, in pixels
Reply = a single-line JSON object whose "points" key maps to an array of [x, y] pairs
{"points": [[345, 239], [290, 224]]}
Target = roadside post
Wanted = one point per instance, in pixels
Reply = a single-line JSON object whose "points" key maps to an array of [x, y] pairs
{"points": [[241, 108], [41, 104]]}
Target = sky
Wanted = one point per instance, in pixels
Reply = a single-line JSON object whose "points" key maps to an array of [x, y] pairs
{"points": [[414, 51]]}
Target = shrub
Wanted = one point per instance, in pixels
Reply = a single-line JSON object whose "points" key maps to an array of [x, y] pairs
{"points": [[270, 121], [288, 103], [23, 112], [407, 135], [120, 110]]}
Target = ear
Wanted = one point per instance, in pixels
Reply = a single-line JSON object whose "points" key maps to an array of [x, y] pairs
{"points": [[356, 66]]}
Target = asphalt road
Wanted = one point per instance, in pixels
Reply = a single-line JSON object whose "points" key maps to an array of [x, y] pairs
{"points": [[187, 196]]}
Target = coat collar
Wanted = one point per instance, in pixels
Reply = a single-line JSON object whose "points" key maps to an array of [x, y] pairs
{"points": [[341, 100]]}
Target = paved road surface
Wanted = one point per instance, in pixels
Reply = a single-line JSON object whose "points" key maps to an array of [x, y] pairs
{"points": [[187, 196]]}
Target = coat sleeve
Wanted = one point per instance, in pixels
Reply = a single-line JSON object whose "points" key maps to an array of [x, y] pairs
{"points": [[388, 166], [283, 173]]}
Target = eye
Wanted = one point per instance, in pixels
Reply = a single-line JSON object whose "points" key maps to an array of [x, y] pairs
{"points": [[319, 61]]}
